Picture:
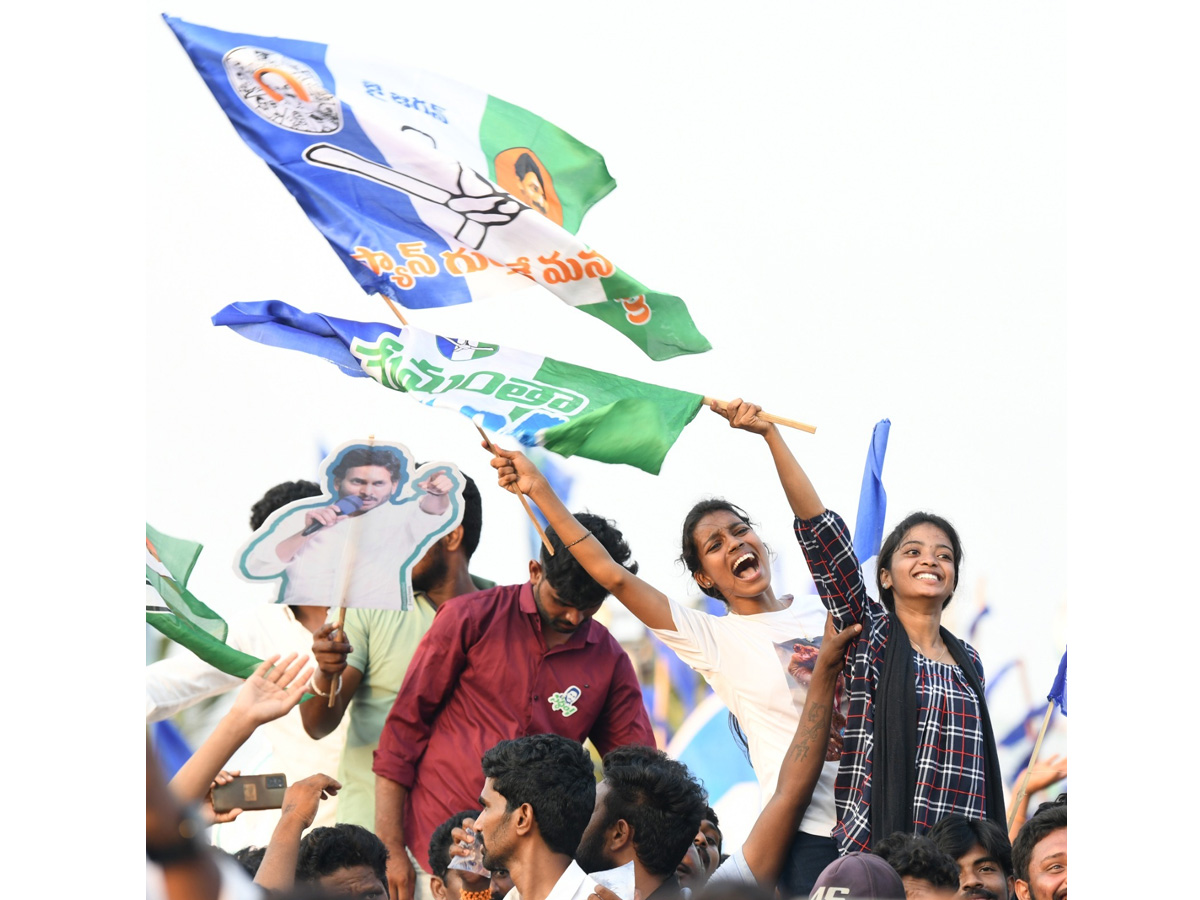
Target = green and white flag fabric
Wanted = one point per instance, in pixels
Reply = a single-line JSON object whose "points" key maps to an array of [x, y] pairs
{"points": [[430, 192], [175, 611], [566, 408]]}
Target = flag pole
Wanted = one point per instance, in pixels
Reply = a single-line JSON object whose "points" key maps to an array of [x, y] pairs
{"points": [[520, 496], [349, 555], [769, 417], [1037, 747]]}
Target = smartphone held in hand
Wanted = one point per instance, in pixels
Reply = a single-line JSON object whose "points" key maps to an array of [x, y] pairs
{"points": [[250, 792]]}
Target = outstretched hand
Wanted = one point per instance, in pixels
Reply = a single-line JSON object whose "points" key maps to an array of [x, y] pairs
{"points": [[1044, 773], [275, 687], [746, 416], [514, 472], [438, 483], [302, 798]]}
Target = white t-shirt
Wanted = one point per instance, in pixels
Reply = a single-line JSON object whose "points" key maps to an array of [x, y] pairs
{"points": [[746, 659]]}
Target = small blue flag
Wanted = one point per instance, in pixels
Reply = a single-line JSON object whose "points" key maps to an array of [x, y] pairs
{"points": [[872, 504], [1058, 691]]}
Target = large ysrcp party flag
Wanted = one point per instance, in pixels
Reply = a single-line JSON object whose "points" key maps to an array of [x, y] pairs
{"points": [[430, 192], [540, 401]]}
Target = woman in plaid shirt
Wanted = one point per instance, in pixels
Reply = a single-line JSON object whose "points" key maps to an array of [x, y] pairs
{"points": [[918, 743]]}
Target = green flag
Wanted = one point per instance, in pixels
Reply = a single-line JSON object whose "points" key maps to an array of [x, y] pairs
{"points": [[175, 611]]}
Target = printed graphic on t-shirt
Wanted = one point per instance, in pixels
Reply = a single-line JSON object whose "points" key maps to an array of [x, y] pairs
{"points": [[798, 657]]}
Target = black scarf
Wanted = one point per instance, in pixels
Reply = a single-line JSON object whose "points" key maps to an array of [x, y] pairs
{"points": [[894, 763]]}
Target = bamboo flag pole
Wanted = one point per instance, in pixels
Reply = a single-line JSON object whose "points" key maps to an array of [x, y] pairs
{"points": [[1037, 747], [770, 417], [395, 309], [520, 496], [349, 557]]}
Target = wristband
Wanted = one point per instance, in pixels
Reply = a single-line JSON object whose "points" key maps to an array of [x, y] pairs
{"points": [[586, 535], [334, 688]]}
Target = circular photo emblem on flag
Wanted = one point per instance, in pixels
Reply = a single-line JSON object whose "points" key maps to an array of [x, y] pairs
{"points": [[522, 174], [283, 91]]}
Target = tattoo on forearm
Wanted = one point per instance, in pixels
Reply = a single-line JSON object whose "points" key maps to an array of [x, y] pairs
{"points": [[814, 732]]}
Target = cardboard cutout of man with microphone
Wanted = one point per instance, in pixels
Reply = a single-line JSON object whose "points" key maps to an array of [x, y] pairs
{"points": [[362, 537]]}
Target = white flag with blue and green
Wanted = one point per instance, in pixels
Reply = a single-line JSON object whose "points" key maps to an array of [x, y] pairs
{"points": [[569, 409], [430, 192]]}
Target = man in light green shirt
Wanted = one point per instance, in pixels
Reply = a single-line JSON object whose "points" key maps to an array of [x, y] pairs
{"points": [[367, 667]]}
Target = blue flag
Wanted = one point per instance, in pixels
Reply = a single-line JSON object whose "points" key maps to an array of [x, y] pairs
{"points": [[872, 504], [429, 192], [1058, 691]]}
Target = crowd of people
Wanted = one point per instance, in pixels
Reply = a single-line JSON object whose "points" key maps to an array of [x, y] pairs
{"points": [[457, 728]]}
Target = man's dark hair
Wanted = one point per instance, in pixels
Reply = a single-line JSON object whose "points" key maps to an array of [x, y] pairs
{"points": [[367, 456], [574, 586], [440, 841], [1048, 818], [276, 497], [325, 850], [660, 800], [918, 857], [524, 165], [956, 835], [892, 542], [250, 858], [472, 520], [554, 775]]}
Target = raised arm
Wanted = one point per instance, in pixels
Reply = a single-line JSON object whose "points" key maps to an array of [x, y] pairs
{"points": [[277, 872], [267, 694], [515, 472], [766, 847], [801, 495]]}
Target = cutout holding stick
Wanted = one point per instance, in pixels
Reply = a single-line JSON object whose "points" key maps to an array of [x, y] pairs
{"points": [[348, 559], [520, 496]]}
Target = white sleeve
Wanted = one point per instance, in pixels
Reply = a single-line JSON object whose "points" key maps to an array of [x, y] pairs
{"points": [[261, 560], [694, 639], [181, 681], [733, 871]]}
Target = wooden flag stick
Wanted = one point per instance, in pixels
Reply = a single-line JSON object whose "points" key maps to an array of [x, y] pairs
{"points": [[395, 309], [349, 556], [524, 502], [770, 417], [1037, 747]]}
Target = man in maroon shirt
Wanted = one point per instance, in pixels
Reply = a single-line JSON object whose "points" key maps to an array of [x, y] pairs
{"points": [[498, 664]]}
